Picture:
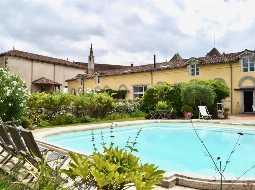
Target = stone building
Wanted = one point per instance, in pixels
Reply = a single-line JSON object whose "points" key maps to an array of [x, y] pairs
{"points": [[42, 73], [236, 69]]}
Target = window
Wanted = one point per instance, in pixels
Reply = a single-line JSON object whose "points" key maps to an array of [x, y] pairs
{"points": [[248, 64], [138, 91], [194, 69]]}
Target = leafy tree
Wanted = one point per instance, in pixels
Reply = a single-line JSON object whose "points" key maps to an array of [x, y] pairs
{"points": [[13, 96]]}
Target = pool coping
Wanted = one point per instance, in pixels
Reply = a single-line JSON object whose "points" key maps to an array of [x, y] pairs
{"points": [[41, 133], [171, 179]]}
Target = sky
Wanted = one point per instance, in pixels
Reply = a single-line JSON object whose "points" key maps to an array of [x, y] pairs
{"points": [[126, 31]]}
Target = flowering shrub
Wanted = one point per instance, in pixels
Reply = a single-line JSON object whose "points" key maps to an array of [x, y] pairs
{"points": [[13, 96], [126, 107]]}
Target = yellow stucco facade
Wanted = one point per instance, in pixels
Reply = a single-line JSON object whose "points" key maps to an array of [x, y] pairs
{"points": [[238, 81]]}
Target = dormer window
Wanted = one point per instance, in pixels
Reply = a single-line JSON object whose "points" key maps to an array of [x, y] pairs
{"points": [[247, 64], [194, 69]]}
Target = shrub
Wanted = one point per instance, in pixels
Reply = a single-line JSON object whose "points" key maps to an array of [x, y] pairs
{"points": [[195, 94], [126, 106], [13, 96], [153, 95], [187, 108], [171, 95], [26, 123], [64, 119], [47, 178], [99, 105], [114, 169], [162, 105], [220, 88], [116, 94]]}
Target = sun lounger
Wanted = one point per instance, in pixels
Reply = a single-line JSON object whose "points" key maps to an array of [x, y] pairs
{"points": [[203, 113], [27, 146], [7, 146]]}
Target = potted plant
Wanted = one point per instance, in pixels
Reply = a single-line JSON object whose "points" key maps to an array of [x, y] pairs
{"points": [[187, 111]]}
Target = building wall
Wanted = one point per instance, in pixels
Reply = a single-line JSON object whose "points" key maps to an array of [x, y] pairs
{"points": [[30, 70], [217, 71]]}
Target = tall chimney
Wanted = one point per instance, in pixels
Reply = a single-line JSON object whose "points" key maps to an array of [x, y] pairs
{"points": [[154, 56], [91, 62]]}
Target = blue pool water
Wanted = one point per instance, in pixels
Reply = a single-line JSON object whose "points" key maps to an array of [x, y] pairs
{"points": [[174, 147]]}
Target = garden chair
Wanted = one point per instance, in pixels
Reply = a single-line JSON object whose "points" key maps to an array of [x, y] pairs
{"points": [[7, 146], [203, 113], [29, 152], [37, 152]]}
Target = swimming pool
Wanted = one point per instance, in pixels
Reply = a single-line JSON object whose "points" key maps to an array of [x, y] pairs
{"points": [[174, 147]]}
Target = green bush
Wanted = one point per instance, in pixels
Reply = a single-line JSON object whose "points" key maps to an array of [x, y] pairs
{"points": [[195, 94], [8, 182], [116, 94], [220, 88], [153, 95], [26, 123], [162, 105], [99, 105], [187, 108], [114, 169], [126, 106], [13, 96], [171, 95], [59, 109]]}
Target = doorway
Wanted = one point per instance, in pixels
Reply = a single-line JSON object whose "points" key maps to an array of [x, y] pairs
{"points": [[248, 101]]}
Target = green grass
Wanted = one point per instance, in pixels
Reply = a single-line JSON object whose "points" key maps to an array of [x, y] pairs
{"points": [[8, 182]]}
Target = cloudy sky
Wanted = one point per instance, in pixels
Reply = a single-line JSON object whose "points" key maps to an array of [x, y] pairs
{"points": [[126, 31]]}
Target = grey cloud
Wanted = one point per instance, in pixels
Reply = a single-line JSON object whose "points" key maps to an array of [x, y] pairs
{"points": [[45, 29]]}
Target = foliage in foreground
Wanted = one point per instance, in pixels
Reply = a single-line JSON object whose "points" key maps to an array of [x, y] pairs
{"points": [[47, 178], [113, 169], [9, 183], [13, 96]]}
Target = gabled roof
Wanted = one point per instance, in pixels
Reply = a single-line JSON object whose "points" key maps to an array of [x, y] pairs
{"points": [[172, 64], [45, 81], [213, 52], [42, 58], [176, 57], [52, 60]]}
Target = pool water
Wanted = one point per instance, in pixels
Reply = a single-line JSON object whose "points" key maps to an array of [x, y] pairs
{"points": [[174, 147]]}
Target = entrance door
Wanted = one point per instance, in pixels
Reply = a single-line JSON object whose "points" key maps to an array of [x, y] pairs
{"points": [[248, 101]]}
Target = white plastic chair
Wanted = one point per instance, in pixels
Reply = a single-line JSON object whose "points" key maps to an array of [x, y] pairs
{"points": [[203, 113]]}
